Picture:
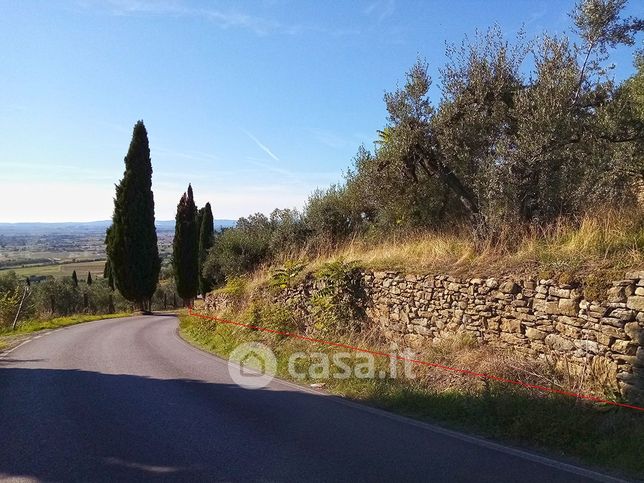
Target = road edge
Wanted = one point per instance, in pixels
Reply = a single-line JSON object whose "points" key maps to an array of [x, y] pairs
{"points": [[572, 468]]}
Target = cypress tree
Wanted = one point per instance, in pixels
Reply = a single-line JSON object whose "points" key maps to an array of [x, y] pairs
{"points": [[132, 239], [200, 213], [74, 278], [185, 259], [89, 278], [206, 234]]}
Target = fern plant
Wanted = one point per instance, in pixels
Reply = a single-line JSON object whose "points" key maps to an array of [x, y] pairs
{"points": [[338, 304], [284, 276]]}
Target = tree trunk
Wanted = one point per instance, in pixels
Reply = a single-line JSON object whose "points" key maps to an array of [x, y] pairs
{"points": [[145, 306], [464, 194], [188, 303]]}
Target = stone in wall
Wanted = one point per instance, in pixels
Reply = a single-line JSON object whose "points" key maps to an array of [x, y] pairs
{"points": [[534, 317]]}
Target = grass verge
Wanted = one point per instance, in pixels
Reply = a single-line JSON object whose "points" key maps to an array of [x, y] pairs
{"points": [[601, 436], [29, 326]]}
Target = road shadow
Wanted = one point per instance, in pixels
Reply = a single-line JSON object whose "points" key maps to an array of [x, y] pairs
{"points": [[74, 425]]}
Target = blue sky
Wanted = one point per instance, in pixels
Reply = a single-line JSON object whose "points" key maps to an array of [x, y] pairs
{"points": [[255, 103]]}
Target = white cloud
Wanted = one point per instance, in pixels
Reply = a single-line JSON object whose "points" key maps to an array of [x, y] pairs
{"points": [[262, 146]]}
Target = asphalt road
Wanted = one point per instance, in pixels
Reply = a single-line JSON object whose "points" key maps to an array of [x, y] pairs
{"points": [[128, 400]]}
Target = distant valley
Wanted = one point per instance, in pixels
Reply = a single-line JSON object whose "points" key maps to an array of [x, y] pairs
{"points": [[57, 249], [83, 227]]}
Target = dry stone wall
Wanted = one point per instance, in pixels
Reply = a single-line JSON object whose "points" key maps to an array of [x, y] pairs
{"points": [[537, 318]]}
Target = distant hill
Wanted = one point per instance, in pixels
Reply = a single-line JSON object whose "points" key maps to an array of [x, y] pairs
{"points": [[84, 227]]}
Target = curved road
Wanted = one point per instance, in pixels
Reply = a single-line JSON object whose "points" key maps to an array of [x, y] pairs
{"points": [[128, 400]]}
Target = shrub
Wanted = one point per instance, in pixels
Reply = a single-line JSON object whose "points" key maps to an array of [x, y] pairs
{"points": [[283, 276], [57, 297], [9, 301], [338, 306], [328, 216], [241, 249], [272, 316]]}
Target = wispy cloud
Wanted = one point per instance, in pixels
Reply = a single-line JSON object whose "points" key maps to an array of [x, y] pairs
{"points": [[222, 18], [284, 173], [381, 9], [262, 146], [191, 155], [230, 18], [329, 138], [537, 15]]}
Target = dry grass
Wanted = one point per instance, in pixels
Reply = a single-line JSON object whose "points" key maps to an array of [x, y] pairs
{"points": [[605, 244]]}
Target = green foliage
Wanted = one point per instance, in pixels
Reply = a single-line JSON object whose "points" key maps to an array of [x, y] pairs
{"points": [[282, 277], [289, 231], [235, 287], [328, 216], [34, 325], [132, 240], [337, 275], [206, 238], [599, 24], [166, 296], [75, 279], [185, 247], [254, 240], [9, 301], [56, 297], [89, 278], [271, 316], [240, 250], [212, 268], [527, 133], [338, 305], [108, 275], [502, 147]]}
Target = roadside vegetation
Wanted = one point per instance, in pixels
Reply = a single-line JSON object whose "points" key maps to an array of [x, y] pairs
{"points": [[597, 435], [595, 249], [40, 304], [532, 160], [35, 325], [531, 164]]}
